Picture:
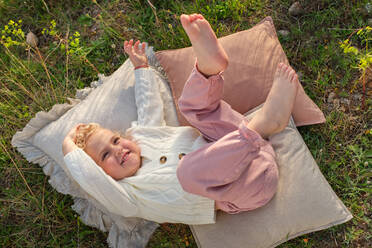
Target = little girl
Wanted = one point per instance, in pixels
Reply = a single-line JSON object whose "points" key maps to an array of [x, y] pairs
{"points": [[172, 174]]}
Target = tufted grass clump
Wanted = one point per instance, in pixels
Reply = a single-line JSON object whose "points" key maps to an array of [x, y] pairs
{"points": [[361, 58]]}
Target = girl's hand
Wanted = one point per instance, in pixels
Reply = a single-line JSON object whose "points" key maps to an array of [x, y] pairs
{"points": [[137, 56], [69, 141]]}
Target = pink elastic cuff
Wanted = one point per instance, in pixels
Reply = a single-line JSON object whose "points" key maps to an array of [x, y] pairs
{"points": [[251, 135], [205, 76], [141, 66], [255, 138]]}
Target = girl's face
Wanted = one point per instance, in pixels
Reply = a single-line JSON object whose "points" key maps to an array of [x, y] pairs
{"points": [[118, 157]]}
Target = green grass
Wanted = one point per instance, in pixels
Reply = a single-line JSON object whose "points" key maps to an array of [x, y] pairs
{"points": [[33, 214]]}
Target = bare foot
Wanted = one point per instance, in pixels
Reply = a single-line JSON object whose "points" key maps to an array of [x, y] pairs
{"points": [[211, 57], [276, 111]]}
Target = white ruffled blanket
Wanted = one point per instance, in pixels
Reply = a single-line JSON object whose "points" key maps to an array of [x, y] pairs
{"points": [[40, 142]]}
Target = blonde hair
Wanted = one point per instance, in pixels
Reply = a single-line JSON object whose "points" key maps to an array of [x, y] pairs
{"points": [[86, 130], [83, 133]]}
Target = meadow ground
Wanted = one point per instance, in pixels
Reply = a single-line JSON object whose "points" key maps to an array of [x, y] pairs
{"points": [[78, 39]]}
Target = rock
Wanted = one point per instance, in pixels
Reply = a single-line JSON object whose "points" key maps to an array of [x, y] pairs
{"points": [[345, 101], [329, 107], [31, 39], [357, 97], [368, 9], [331, 96], [283, 33], [336, 103], [295, 9]]}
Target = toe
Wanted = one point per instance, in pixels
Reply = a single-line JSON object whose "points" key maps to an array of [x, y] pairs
{"points": [[295, 78], [288, 71], [193, 17], [185, 20], [200, 16], [283, 69], [291, 74]]}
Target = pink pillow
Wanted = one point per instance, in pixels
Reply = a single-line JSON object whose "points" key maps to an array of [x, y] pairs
{"points": [[253, 57]]}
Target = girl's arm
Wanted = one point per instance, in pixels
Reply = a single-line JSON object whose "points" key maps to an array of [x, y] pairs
{"points": [[68, 144], [94, 180], [150, 109], [113, 196]]}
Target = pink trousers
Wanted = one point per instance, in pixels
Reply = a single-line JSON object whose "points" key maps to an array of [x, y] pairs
{"points": [[237, 168]]}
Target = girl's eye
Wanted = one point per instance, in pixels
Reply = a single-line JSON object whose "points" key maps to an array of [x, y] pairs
{"points": [[104, 156], [116, 140]]}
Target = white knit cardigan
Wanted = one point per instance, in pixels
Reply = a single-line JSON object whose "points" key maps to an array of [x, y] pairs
{"points": [[154, 192]]}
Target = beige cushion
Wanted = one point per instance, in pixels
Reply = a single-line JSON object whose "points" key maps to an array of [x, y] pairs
{"points": [[253, 57], [304, 203]]}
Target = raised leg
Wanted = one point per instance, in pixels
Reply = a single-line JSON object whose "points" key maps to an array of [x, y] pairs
{"points": [[238, 170], [211, 57], [276, 111], [201, 101], [201, 104]]}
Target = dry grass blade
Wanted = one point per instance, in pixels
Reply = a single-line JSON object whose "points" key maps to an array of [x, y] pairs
{"points": [[66, 64], [47, 72], [153, 8], [22, 65], [19, 171], [28, 93], [46, 6]]}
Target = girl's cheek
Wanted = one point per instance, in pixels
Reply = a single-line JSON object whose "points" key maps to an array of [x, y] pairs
{"points": [[134, 147], [108, 168]]}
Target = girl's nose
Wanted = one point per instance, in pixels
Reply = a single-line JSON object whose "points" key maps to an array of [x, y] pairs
{"points": [[120, 152]]}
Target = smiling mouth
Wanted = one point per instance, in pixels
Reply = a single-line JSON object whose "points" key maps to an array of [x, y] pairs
{"points": [[124, 158]]}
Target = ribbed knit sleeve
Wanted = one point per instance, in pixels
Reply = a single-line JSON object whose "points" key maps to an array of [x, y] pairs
{"points": [[149, 103], [99, 185]]}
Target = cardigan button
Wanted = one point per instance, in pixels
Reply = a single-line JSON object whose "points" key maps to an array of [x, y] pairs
{"points": [[181, 155], [163, 159]]}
